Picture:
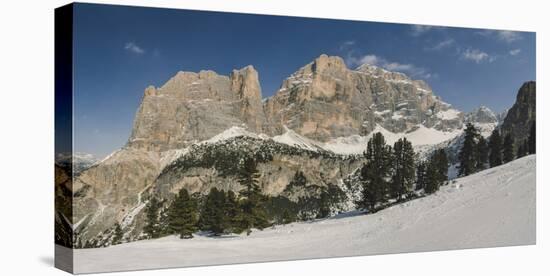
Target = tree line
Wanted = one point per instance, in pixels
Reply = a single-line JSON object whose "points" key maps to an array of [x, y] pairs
{"points": [[219, 212], [391, 174], [477, 154]]}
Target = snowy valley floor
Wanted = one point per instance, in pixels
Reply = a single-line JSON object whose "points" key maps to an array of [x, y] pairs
{"points": [[495, 207]]}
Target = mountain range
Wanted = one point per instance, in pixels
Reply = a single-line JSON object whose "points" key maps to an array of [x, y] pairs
{"points": [[192, 131]]}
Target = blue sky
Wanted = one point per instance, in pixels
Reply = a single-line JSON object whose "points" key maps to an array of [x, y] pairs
{"points": [[120, 50]]}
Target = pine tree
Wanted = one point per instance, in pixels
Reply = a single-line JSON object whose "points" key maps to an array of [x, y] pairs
{"points": [[152, 226], [436, 171], [508, 148], [495, 149], [324, 206], [522, 151], [287, 217], [432, 178], [441, 163], [299, 180], [375, 173], [482, 154], [212, 217], [403, 173], [117, 234], [253, 214], [532, 139], [421, 175], [183, 215], [466, 156], [231, 213]]}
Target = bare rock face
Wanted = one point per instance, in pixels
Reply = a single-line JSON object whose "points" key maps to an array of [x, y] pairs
{"points": [[320, 101], [192, 107], [105, 193], [325, 100], [245, 84], [210, 165], [522, 114]]}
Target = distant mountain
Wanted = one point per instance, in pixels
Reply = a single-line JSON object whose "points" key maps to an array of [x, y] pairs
{"points": [[192, 132], [80, 160], [484, 119]]}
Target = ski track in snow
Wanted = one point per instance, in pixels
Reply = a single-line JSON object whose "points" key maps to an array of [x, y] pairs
{"points": [[495, 207]]}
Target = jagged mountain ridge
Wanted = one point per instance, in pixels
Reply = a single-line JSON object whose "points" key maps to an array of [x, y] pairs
{"points": [[193, 111], [325, 100]]}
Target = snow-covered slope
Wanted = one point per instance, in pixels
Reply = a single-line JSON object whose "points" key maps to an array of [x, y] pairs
{"points": [[495, 207], [234, 132], [421, 137], [292, 138]]}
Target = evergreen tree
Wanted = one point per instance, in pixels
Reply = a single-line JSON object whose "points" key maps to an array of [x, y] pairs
{"points": [[432, 178], [495, 149], [532, 139], [182, 215], [441, 163], [375, 173], [117, 234], [152, 226], [482, 154], [212, 217], [231, 212], [467, 155], [508, 148], [324, 206], [287, 217], [299, 180], [421, 175], [436, 171], [522, 149], [526, 146], [403, 174], [253, 214]]}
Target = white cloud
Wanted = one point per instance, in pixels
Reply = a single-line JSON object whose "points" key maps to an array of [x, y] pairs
{"points": [[477, 56], [407, 68], [442, 44], [396, 66], [417, 30], [506, 36], [515, 52], [134, 48], [369, 59], [348, 43]]}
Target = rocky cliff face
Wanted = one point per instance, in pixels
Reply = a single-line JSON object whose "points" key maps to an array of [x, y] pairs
{"points": [[210, 165], [326, 100], [192, 107], [522, 114]]}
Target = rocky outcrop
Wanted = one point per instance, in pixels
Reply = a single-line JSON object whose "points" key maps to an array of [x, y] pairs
{"points": [[522, 114], [106, 192], [325, 100], [192, 107], [212, 165], [246, 85]]}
